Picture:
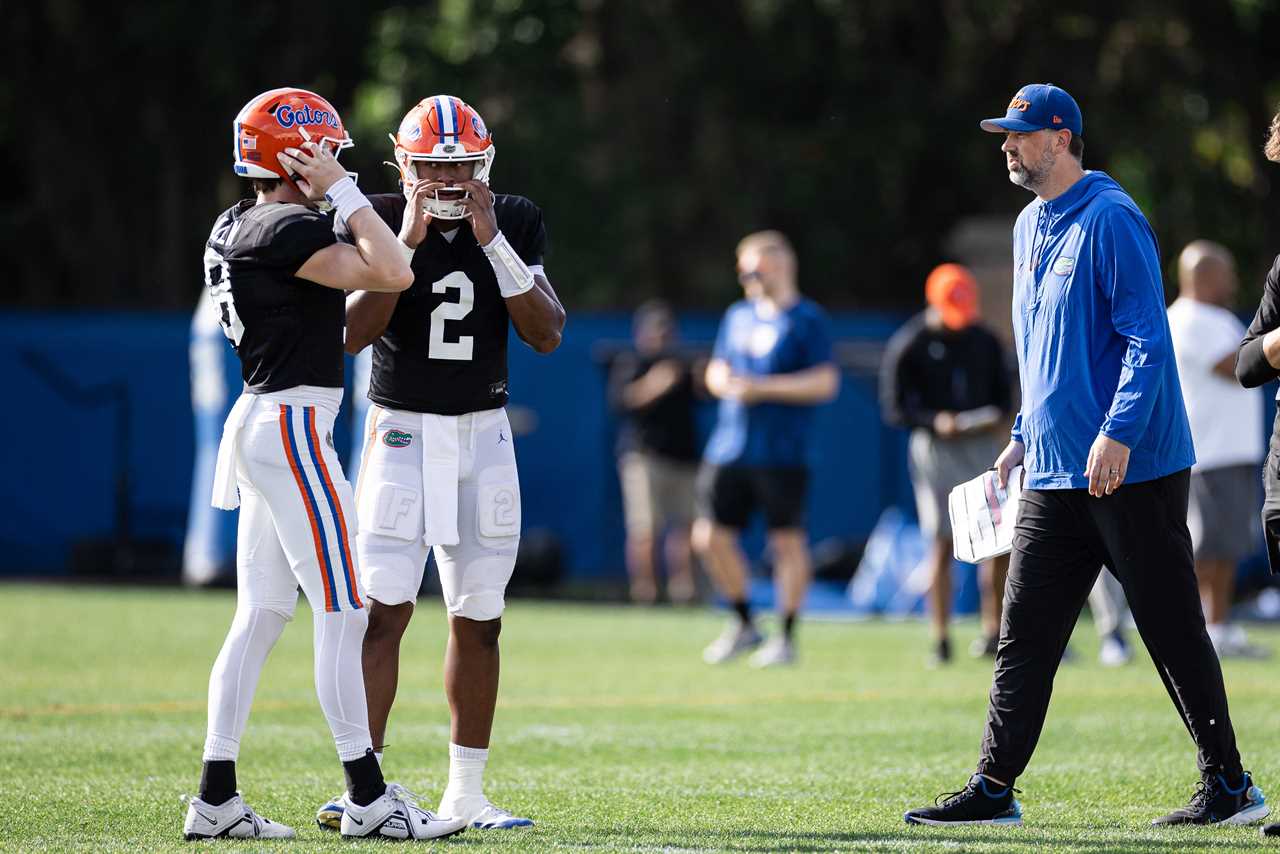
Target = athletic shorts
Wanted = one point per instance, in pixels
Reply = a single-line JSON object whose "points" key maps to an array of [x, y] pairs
{"points": [[1223, 514], [656, 491], [729, 495], [442, 483], [937, 466]]}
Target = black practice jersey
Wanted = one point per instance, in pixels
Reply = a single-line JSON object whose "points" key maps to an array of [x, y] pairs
{"points": [[287, 331], [445, 348]]}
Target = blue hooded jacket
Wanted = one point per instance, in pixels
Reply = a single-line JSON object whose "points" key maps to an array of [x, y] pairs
{"points": [[1094, 350]]}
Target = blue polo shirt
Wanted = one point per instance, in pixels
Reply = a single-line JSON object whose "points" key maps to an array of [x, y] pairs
{"points": [[1094, 350], [767, 434]]}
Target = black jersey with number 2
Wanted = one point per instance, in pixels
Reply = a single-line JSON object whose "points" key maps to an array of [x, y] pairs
{"points": [[287, 331], [445, 348]]}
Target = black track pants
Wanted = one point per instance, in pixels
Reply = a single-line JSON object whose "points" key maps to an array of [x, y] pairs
{"points": [[1062, 539]]}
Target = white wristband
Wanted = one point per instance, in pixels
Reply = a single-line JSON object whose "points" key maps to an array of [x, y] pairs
{"points": [[406, 250], [514, 277], [346, 197]]}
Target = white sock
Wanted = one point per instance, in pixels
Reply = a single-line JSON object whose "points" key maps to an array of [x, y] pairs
{"points": [[254, 631], [339, 636], [466, 772]]}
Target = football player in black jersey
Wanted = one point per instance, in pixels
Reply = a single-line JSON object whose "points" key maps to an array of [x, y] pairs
{"points": [[439, 470], [277, 276]]}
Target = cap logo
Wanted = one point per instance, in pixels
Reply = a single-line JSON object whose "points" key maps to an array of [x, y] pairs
{"points": [[1019, 103], [1057, 120]]}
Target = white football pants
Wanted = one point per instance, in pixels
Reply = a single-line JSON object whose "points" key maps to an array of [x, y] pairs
{"points": [[446, 482], [296, 524]]}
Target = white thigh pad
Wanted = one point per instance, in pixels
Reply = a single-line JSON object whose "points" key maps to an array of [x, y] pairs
{"points": [[497, 504], [389, 546], [392, 510]]}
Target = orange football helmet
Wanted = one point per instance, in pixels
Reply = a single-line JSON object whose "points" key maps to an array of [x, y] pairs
{"points": [[443, 129], [280, 119]]}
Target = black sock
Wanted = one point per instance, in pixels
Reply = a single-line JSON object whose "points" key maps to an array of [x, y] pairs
{"points": [[788, 625], [218, 782], [364, 779], [743, 610]]}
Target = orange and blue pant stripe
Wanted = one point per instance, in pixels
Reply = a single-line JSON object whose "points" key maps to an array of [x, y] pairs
{"points": [[315, 516]]}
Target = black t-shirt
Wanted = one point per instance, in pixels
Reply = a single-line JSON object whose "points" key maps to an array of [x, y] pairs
{"points": [[666, 426], [444, 350], [926, 371], [287, 331]]}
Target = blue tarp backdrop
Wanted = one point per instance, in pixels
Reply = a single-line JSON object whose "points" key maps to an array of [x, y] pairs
{"points": [[101, 435]]}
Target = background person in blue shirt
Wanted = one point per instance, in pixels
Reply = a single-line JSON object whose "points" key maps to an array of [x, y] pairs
{"points": [[771, 366], [1104, 438]]}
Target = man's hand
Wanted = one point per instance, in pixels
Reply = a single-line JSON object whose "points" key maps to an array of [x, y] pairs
{"points": [[1009, 459], [479, 204], [1108, 464], [663, 376], [944, 425], [315, 170], [745, 390], [413, 228]]}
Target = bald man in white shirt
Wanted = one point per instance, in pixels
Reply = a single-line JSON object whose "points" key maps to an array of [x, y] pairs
{"points": [[1226, 428]]}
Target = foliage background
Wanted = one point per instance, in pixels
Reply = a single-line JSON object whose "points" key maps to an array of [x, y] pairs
{"points": [[653, 134]]}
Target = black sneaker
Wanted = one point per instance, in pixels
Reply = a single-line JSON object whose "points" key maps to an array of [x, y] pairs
{"points": [[984, 646], [980, 802], [1215, 802], [1272, 829], [941, 654]]}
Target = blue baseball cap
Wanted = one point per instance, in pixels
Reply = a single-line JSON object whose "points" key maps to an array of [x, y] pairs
{"points": [[1039, 106]]}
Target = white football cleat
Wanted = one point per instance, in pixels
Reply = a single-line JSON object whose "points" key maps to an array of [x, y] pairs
{"points": [[231, 820], [481, 814], [329, 816], [737, 638], [396, 815], [778, 652]]}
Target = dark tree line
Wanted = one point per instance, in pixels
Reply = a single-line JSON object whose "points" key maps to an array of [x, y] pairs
{"points": [[653, 134]]}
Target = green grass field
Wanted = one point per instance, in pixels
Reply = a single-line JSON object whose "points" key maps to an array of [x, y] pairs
{"points": [[610, 732]]}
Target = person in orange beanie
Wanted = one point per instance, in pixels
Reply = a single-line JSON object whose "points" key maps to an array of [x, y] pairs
{"points": [[946, 378]]}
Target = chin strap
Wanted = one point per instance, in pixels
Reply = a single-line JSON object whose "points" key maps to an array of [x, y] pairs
{"points": [[514, 276]]}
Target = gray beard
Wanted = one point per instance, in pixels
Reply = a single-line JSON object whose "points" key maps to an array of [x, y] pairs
{"points": [[1033, 177]]}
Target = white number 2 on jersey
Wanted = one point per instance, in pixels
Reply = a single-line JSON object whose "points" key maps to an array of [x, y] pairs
{"points": [[438, 348]]}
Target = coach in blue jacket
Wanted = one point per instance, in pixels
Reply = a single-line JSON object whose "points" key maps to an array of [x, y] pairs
{"points": [[1104, 439]]}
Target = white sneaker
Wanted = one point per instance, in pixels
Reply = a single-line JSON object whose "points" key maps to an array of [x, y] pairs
{"points": [[778, 652], [396, 815], [231, 820], [1230, 641], [481, 814], [329, 816], [737, 638], [1114, 653]]}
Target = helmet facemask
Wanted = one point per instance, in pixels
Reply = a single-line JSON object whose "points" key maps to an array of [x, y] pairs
{"points": [[454, 206]]}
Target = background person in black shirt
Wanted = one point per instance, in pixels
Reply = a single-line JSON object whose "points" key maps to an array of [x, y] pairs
{"points": [[1258, 363], [947, 378], [652, 389]]}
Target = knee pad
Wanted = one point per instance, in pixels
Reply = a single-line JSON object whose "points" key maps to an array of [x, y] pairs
{"points": [[390, 568], [281, 606], [477, 589]]}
